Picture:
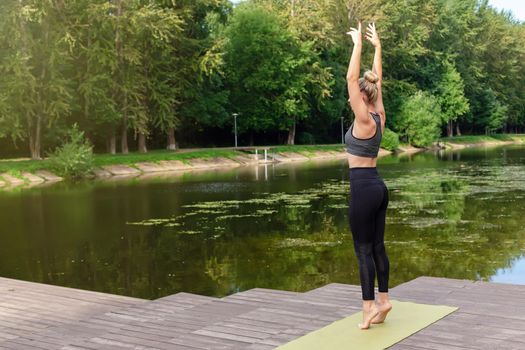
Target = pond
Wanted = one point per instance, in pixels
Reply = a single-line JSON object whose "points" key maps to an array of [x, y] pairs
{"points": [[456, 214]]}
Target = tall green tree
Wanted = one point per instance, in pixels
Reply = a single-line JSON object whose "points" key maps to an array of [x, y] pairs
{"points": [[128, 56], [34, 59], [502, 47], [160, 30], [259, 60], [308, 23], [290, 70], [450, 94], [201, 99], [95, 62]]}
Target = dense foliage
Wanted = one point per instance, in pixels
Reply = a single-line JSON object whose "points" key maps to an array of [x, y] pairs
{"points": [[165, 73], [74, 159], [420, 117], [390, 140]]}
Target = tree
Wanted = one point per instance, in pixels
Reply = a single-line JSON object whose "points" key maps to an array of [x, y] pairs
{"points": [[159, 31], [129, 61], [499, 116], [308, 23], [33, 62], [495, 115], [272, 77], [201, 98], [502, 47], [95, 61], [449, 91], [260, 66], [420, 119], [205, 99], [15, 74]]}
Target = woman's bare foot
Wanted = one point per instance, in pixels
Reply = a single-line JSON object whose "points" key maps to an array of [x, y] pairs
{"points": [[384, 308], [369, 312]]}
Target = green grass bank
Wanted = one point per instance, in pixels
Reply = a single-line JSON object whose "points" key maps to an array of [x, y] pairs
{"points": [[484, 139], [16, 167]]}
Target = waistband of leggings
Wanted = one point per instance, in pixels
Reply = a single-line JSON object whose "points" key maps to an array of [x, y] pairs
{"points": [[364, 173]]}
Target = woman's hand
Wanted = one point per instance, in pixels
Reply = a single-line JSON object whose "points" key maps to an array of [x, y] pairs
{"points": [[371, 34], [356, 34]]}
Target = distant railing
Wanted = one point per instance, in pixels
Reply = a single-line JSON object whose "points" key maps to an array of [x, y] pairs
{"points": [[256, 149]]}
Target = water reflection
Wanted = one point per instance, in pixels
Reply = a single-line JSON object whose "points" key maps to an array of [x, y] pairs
{"points": [[285, 226]]}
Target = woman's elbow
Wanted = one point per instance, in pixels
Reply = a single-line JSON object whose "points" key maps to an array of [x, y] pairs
{"points": [[351, 78]]}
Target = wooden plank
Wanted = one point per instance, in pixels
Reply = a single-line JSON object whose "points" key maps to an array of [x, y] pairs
{"points": [[79, 300], [12, 345], [306, 306], [428, 345], [195, 299], [235, 329], [259, 346], [478, 330], [487, 320], [54, 290], [437, 340], [273, 291], [134, 340], [200, 342], [229, 336]]}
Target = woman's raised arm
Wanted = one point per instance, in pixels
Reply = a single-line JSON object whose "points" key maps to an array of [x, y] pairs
{"points": [[372, 36], [377, 67], [352, 77]]}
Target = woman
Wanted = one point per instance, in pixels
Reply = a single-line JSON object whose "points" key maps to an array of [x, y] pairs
{"points": [[368, 193]]}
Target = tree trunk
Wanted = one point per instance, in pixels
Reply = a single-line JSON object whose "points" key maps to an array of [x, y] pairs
{"points": [[458, 132], [122, 95], [291, 134], [112, 143], [34, 139], [172, 146], [38, 134], [32, 148], [142, 143], [450, 131], [251, 138], [124, 138]]}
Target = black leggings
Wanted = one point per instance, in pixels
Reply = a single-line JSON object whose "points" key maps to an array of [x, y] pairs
{"points": [[366, 213]]}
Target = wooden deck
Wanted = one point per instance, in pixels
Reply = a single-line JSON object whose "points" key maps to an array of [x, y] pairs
{"points": [[38, 316]]}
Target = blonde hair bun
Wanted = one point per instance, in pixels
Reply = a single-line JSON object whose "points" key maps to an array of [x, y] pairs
{"points": [[371, 76], [368, 85]]}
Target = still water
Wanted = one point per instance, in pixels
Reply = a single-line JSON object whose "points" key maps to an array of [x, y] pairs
{"points": [[456, 214]]}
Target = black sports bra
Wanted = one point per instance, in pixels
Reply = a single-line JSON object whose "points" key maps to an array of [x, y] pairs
{"points": [[364, 147]]}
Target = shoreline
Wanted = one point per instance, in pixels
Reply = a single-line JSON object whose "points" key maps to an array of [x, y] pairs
{"points": [[460, 142], [18, 179], [165, 167], [27, 179]]}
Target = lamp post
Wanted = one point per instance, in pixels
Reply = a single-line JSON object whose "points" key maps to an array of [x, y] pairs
{"points": [[235, 126], [342, 131]]}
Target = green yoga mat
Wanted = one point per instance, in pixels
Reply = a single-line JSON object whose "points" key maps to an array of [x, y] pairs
{"points": [[404, 319]]}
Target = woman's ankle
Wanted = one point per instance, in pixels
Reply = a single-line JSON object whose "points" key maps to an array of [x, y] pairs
{"points": [[368, 304], [382, 298]]}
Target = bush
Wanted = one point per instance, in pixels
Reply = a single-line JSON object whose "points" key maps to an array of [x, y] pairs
{"points": [[74, 159], [390, 140], [420, 119]]}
